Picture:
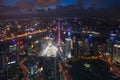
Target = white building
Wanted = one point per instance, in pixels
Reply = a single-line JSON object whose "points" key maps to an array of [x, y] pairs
{"points": [[68, 47], [116, 53]]}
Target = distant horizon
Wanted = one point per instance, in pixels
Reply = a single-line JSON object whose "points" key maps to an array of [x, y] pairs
{"points": [[102, 8], [83, 13]]}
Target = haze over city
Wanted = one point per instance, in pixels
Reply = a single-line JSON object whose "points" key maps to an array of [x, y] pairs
{"points": [[83, 8]]}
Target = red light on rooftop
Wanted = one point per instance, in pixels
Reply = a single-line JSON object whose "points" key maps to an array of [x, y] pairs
{"points": [[20, 42]]}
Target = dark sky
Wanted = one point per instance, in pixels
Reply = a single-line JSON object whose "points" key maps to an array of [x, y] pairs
{"points": [[38, 3], [26, 5], [100, 3], [49, 3]]}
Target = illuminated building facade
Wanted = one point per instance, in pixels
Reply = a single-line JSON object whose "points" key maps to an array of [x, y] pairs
{"points": [[68, 47], [116, 49], [116, 53], [50, 50]]}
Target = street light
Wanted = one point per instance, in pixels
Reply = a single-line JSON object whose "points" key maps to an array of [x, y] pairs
{"points": [[30, 36]]}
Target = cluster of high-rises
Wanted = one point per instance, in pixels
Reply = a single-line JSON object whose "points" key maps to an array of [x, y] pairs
{"points": [[63, 37], [113, 46]]}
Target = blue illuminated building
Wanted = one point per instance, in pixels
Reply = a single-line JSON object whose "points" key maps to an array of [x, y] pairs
{"points": [[89, 39]]}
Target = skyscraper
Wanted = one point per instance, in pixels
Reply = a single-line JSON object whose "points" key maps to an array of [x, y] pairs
{"points": [[68, 47], [116, 53]]}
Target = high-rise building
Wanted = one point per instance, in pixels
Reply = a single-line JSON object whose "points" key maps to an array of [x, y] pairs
{"points": [[109, 46], [68, 47], [116, 49], [116, 53]]}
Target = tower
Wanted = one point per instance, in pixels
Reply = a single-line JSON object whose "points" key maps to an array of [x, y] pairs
{"points": [[59, 36]]}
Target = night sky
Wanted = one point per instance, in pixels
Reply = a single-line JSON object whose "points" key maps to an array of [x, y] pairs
{"points": [[7, 5], [46, 3]]}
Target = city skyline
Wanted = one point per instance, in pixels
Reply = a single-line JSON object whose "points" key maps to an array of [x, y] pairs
{"points": [[84, 50]]}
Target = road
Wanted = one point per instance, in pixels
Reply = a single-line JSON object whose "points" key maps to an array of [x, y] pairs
{"points": [[23, 35]]}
